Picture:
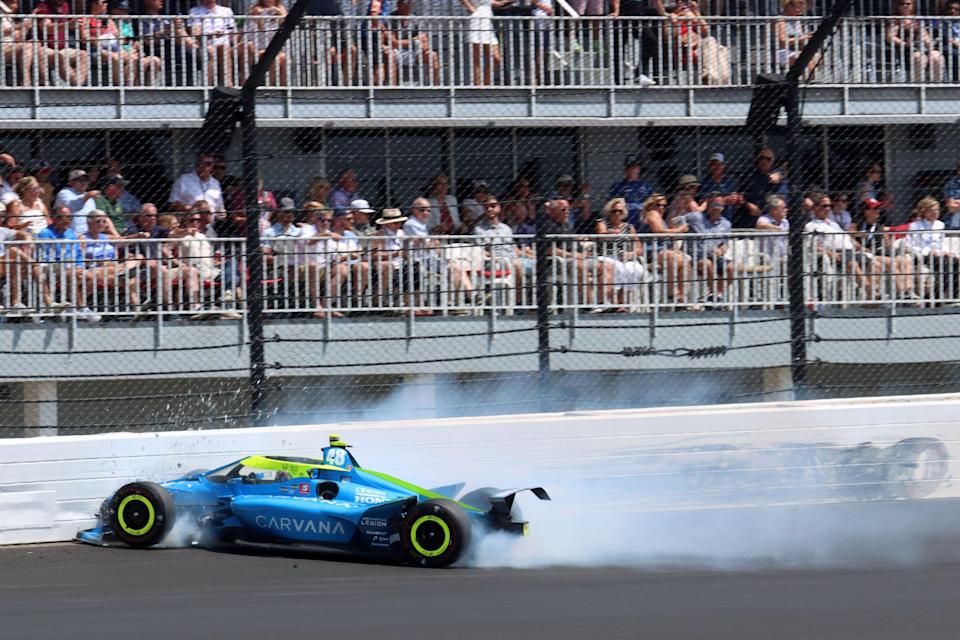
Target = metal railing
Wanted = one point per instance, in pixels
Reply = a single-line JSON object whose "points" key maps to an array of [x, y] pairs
{"points": [[444, 52], [470, 275]]}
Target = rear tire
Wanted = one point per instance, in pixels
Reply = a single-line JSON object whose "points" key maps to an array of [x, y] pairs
{"points": [[434, 534], [141, 513]]}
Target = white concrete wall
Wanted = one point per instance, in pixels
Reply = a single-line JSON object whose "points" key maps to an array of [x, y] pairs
{"points": [[52, 486]]}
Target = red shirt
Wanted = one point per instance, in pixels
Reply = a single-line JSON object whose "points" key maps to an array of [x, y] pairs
{"points": [[57, 35]]}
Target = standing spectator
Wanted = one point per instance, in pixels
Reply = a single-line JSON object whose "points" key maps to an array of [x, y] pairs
{"points": [[710, 252], [774, 218], [498, 245], [472, 208], [444, 212], [910, 45], [633, 189], [215, 27], [693, 46], [793, 34], [626, 37], [57, 35], [79, 198], [839, 212], [197, 185], [28, 212], [766, 179], [109, 203], [926, 243], [264, 22], [484, 46], [348, 190], [62, 262], [832, 241], [170, 40], [423, 251], [406, 46], [717, 181]]}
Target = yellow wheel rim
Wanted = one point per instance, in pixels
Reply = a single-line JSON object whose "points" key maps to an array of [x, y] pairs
{"points": [[444, 542], [151, 515]]}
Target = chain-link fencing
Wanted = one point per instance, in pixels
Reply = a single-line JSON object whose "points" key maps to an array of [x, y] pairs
{"points": [[470, 214]]}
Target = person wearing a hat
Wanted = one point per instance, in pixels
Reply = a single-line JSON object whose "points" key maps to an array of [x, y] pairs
{"points": [[360, 210], [873, 236], [632, 189], [718, 181], [473, 207], [389, 250], [79, 198], [685, 198], [109, 202]]}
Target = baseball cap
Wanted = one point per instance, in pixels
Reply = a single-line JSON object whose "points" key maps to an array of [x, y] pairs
{"points": [[115, 180], [872, 203], [123, 5], [565, 179], [718, 157], [340, 213], [77, 174], [287, 204], [362, 206], [480, 184]]}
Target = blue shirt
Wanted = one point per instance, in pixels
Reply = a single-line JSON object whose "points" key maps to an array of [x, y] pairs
{"points": [[634, 192], [54, 252], [715, 231], [726, 186], [951, 189], [758, 188]]}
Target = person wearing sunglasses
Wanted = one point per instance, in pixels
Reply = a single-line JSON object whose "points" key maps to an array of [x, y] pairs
{"points": [[765, 180]]}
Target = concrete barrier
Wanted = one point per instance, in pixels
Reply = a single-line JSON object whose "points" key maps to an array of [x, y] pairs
{"points": [[646, 459]]}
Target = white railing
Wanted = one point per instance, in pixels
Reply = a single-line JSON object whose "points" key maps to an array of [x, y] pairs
{"points": [[467, 275], [438, 52]]}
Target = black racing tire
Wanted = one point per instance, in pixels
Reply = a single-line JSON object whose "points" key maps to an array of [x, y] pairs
{"points": [[434, 534], [141, 513], [919, 467]]}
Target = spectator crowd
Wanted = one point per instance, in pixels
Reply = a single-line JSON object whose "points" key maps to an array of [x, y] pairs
{"points": [[89, 242], [158, 43]]}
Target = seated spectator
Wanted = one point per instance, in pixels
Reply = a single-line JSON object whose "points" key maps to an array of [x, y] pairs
{"points": [[951, 216], [444, 212], [839, 212], [950, 39], [717, 181], [926, 243], [498, 244], [17, 48], [886, 264], [632, 189], [12, 175], [406, 46], [27, 212], [685, 198], [145, 68], [352, 254], [215, 28], [197, 185], [61, 264], [774, 219], [259, 29], [15, 265], [57, 35], [765, 180], [318, 190], [693, 45], [626, 254], [7, 163], [710, 252], [79, 198], [672, 263], [103, 267], [360, 211], [109, 202], [423, 251], [101, 36], [951, 188], [520, 207], [233, 267], [42, 172], [575, 268], [158, 262], [114, 169], [833, 242], [266, 202], [348, 190], [194, 251], [793, 34], [472, 208], [390, 257], [910, 45], [170, 40], [321, 268], [585, 220]]}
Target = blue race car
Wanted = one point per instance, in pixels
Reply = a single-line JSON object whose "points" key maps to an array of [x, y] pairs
{"points": [[328, 504]]}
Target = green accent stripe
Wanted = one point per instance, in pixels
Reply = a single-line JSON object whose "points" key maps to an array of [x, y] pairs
{"points": [[296, 469], [412, 488]]}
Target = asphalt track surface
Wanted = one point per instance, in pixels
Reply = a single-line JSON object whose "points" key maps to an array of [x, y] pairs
{"points": [[76, 591]]}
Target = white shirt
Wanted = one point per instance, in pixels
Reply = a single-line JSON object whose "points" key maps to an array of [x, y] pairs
{"points": [[775, 246], [219, 19], [844, 219], [6, 233], [834, 238], [927, 236], [197, 251], [434, 219], [500, 244], [413, 227], [287, 240], [189, 188], [80, 206], [394, 242]]}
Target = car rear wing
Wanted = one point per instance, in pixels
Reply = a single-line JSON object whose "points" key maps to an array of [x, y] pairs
{"points": [[502, 503]]}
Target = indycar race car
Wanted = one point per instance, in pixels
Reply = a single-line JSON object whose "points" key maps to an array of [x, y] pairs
{"points": [[329, 504]]}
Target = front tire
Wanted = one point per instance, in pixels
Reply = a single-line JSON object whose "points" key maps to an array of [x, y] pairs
{"points": [[434, 534], [141, 513]]}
